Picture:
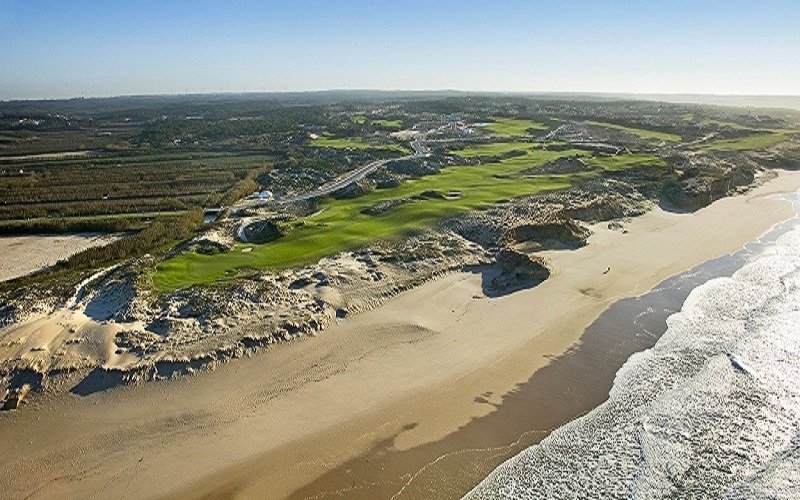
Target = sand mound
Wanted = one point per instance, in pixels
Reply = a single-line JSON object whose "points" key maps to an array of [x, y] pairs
{"points": [[262, 231], [562, 234], [518, 270]]}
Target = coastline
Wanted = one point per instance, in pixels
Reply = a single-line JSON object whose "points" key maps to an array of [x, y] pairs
{"points": [[270, 425]]}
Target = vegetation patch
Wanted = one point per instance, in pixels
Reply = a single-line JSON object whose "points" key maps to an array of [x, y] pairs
{"points": [[747, 143], [94, 223], [723, 123], [493, 149], [347, 224], [639, 132], [514, 127], [390, 124], [626, 161], [124, 184], [327, 141]]}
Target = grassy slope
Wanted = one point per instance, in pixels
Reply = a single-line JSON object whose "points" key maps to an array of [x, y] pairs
{"points": [[617, 162], [341, 225], [723, 123], [640, 132], [494, 149], [622, 162], [351, 143], [750, 142], [395, 124], [513, 127], [340, 142]]}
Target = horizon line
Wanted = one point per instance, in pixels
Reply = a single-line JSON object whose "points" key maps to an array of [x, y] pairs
{"points": [[408, 91]]}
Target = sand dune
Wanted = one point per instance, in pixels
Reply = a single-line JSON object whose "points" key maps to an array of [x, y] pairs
{"points": [[23, 255], [408, 373]]}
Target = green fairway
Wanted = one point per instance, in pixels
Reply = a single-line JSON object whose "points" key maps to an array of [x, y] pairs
{"points": [[393, 124], [626, 161], [341, 225], [750, 142], [494, 149], [722, 123], [513, 127], [640, 132], [326, 141]]}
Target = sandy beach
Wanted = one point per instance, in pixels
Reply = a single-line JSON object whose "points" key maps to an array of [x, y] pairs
{"points": [[393, 403], [23, 255]]}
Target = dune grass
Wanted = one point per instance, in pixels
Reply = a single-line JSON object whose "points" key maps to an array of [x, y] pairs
{"points": [[639, 132], [626, 161], [514, 127], [747, 143], [342, 225]]}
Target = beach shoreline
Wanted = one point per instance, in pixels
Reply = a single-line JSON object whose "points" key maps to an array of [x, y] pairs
{"points": [[396, 379]]}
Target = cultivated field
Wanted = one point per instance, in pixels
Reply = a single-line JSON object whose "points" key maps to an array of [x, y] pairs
{"points": [[37, 191]]}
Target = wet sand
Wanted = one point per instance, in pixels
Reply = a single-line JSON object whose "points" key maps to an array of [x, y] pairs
{"points": [[572, 384], [421, 397]]}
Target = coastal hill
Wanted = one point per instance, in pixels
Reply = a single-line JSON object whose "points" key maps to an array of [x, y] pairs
{"points": [[238, 222]]}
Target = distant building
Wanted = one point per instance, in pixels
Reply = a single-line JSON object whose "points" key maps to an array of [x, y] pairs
{"points": [[264, 195]]}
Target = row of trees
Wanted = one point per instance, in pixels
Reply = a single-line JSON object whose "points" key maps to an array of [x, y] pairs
{"points": [[281, 120], [243, 188], [158, 233], [99, 208], [43, 226]]}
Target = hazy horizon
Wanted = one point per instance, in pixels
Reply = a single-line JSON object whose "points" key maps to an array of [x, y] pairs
{"points": [[54, 50]]}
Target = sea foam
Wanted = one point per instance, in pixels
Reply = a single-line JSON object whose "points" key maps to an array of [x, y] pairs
{"points": [[712, 410]]}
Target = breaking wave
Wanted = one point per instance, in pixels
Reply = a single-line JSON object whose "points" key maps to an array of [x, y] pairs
{"points": [[713, 409]]}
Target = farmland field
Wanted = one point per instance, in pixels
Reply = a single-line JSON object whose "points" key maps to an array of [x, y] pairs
{"points": [[626, 161], [122, 184]]}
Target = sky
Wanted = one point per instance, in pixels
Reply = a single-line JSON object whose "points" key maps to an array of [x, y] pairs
{"points": [[58, 49]]}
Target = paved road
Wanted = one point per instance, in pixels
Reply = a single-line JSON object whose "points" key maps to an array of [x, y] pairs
{"points": [[342, 182], [419, 151]]}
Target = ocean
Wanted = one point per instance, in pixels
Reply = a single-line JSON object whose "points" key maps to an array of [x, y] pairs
{"points": [[712, 410]]}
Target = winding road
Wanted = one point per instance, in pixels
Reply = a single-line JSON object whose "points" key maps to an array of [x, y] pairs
{"points": [[343, 181], [359, 173], [419, 151]]}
